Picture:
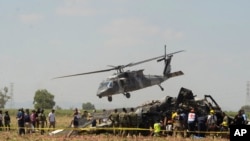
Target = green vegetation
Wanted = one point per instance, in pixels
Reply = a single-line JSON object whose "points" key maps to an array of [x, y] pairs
{"points": [[88, 106], [43, 99]]}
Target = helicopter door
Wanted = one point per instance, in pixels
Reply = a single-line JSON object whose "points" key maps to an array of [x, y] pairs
{"points": [[122, 82]]}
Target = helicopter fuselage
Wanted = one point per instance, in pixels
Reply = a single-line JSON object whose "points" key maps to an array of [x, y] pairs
{"points": [[128, 81]]}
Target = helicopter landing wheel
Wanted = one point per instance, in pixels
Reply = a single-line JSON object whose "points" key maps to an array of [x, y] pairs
{"points": [[127, 95], [109, 98]]}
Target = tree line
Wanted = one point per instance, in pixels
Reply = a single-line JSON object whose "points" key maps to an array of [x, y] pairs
{"points": [[42, 99]]}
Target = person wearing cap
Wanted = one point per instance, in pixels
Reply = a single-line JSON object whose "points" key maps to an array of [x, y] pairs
{"points": [[212, 121], [177, 125]]}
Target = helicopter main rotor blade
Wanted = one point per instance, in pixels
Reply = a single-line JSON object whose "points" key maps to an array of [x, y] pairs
{"points": [[85, 73], [151, 59], [120, 67]]}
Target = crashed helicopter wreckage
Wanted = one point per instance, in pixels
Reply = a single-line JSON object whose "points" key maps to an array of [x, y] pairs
{"points": [[155, 110]]}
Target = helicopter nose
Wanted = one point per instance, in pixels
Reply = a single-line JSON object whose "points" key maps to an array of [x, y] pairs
{"points": [[103, 92]]}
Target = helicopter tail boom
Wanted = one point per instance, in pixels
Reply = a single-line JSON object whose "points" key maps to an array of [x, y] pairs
{"points": [[174, 74]]}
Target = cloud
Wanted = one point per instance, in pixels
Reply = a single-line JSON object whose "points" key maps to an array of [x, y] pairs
{"points": [[75, 8], [122, 31], [31, 18]]}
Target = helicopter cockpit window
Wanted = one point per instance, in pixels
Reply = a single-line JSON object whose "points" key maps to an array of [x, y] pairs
{"points": [[103, 85], [110, 84]]}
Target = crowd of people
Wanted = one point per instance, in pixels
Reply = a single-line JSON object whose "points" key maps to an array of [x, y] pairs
{"points": [[28, 121], [184, 124]]}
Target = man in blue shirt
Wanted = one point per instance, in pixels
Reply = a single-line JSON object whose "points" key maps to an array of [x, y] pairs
{"points": [[20, 121]]}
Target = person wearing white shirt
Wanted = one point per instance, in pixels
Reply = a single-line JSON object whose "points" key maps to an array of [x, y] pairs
{"points": [[52, 119]]}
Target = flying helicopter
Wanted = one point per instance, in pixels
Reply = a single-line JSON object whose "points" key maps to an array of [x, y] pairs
{"points": [[124, 82]]}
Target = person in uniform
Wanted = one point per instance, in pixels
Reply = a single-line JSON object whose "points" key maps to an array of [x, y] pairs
{"points": [[211, 121], [133, 120], [123, 122], [177, 124], [114, 117], [42, 121], [224, 126]]}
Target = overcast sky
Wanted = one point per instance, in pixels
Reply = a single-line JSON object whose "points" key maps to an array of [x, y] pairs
{"points": [[43, 39]]}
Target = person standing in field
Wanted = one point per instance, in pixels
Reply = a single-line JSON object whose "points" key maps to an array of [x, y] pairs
{"points": [[114, 117], [76, 117], [1, 120], [42, 120], [192, 119], [37, 118], [7, 121], [123, 120], [20, 121], [27, 121], [133, 121], [33, 120], [52, 119]]}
